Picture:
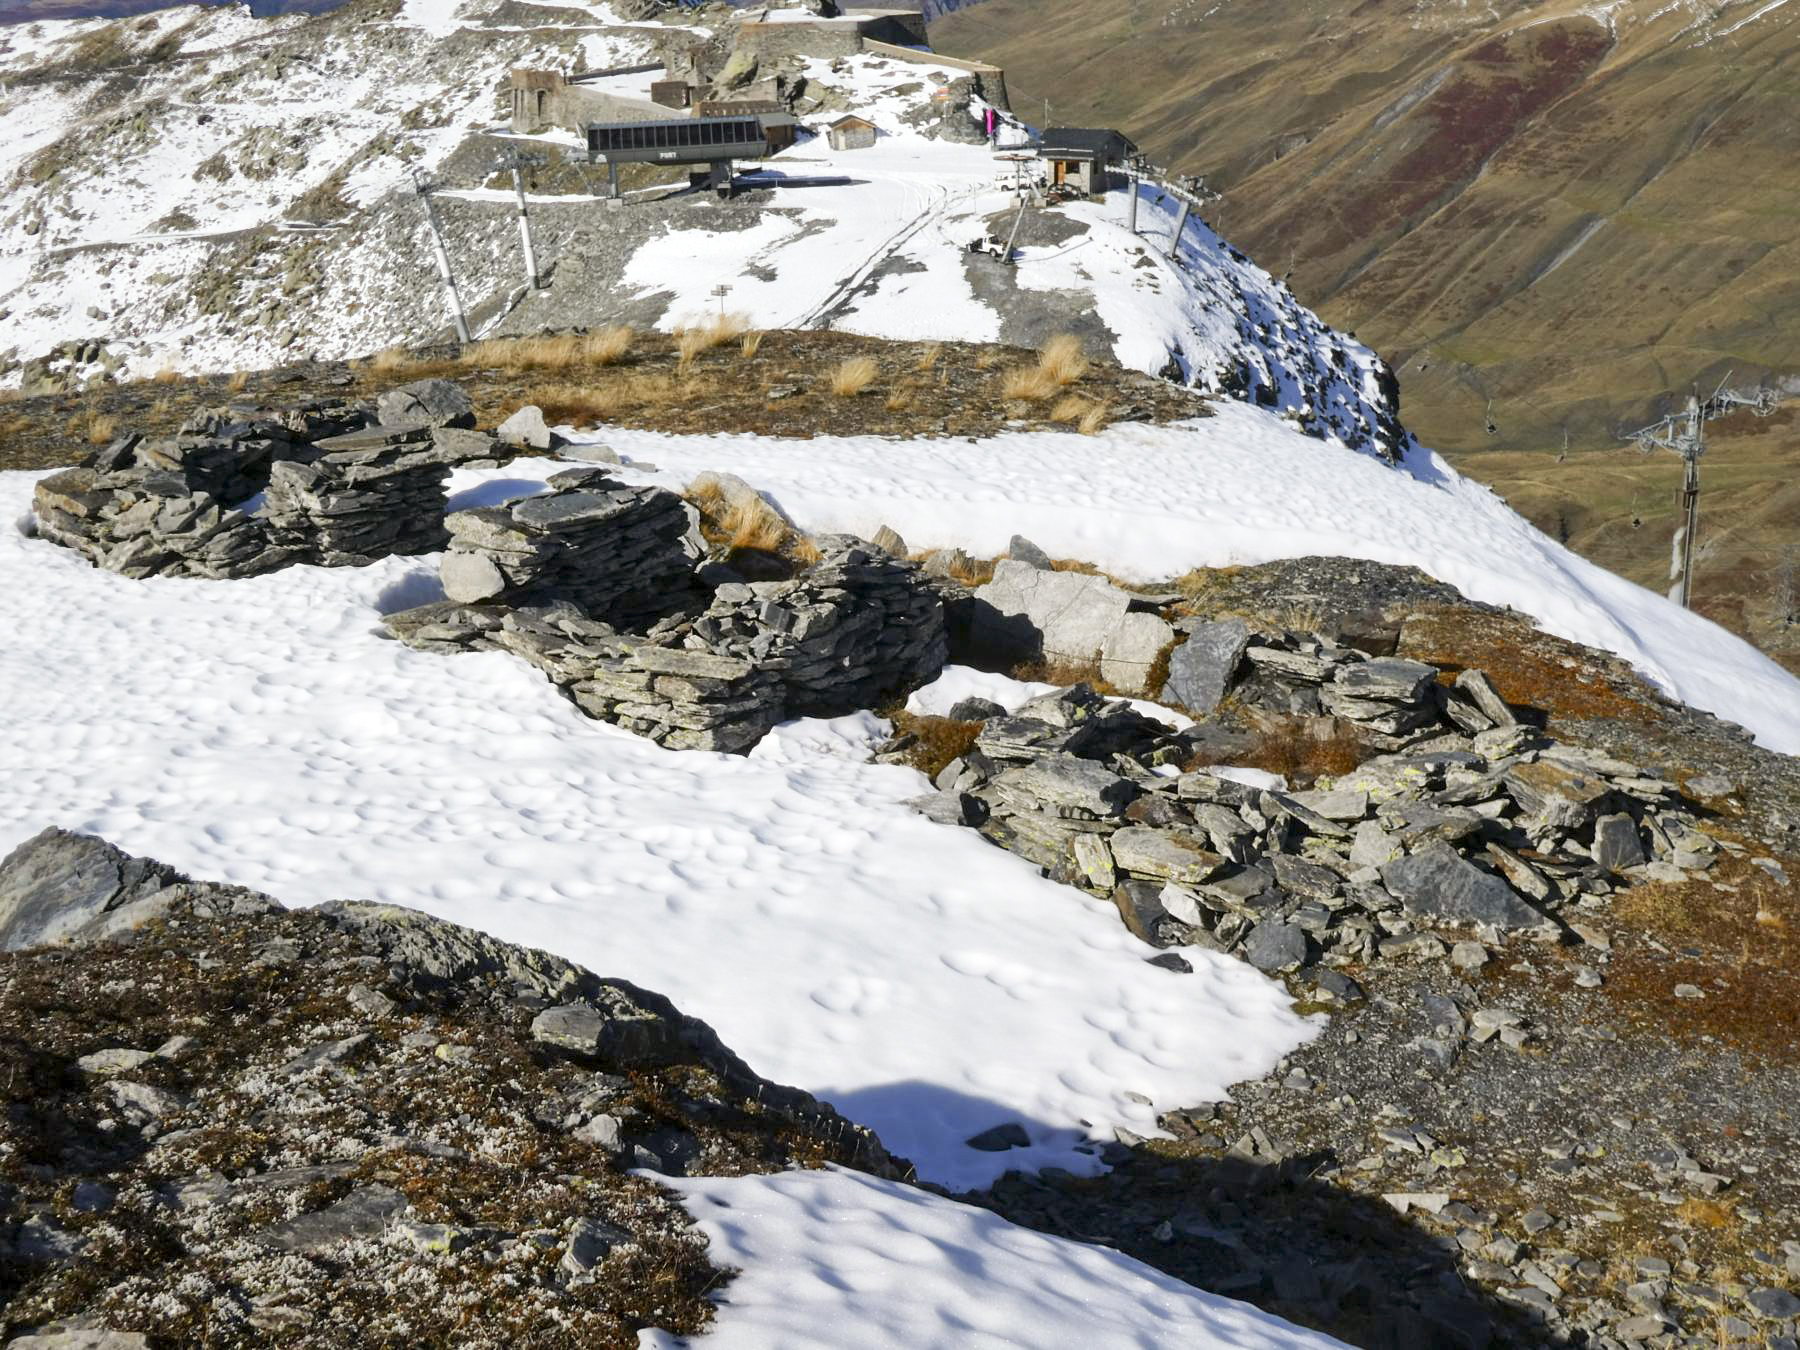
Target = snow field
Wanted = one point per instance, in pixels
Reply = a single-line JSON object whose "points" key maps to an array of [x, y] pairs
{"points": [[833, 1259]]}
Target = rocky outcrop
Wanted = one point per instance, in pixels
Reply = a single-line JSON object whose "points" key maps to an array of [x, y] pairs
{"points": [[349, 1124]]}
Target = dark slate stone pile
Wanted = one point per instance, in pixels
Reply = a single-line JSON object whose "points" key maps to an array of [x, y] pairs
{"points": [[342, 489], [613, 550], [567, 579], [1463, 817]]}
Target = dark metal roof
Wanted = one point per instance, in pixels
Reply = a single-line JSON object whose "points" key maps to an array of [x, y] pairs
{"points": [[1085, 143], [686, 140]]}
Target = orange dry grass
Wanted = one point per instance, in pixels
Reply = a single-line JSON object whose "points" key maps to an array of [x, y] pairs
{"points": [[576, 404], [853, 376], [1291, 747], [100, 430], [238, 382], [1032, 384], [703, 337], [744, 522], [1062, 359], [751, 344]]}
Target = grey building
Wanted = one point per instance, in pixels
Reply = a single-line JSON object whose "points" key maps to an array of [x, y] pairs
{"points": [[1084, 159]]}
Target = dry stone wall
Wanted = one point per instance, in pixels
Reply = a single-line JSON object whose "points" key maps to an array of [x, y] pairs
{"points": [[341, 488], [557, 580]]}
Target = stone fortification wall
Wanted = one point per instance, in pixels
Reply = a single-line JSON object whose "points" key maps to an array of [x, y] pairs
{"points": [[616, 552], [826, 38]]}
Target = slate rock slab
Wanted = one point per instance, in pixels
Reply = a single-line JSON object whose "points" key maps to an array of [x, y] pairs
{"points": [[435, 403], [56, 883], [1201, 669], [1438, 883], [365, 1212], [1274, 947]]}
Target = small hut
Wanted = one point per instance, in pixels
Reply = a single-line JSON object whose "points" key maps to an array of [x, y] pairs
{"points": [[1083, 158], [851, 132]]}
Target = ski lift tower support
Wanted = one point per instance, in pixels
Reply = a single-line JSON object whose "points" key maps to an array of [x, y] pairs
{"points": [[1684, 434], [423, 185], [517, 161]]}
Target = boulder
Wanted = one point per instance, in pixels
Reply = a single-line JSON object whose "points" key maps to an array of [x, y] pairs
{"points": [[1167, 855], [56, 884], [527, 427], [1556, 796], [1025, 613], [1275, 947], [1386, 679], [889, 541], [432, 403], [1617, 844], [1440, 884], [1129, 651], [1201, 669], [1022, 550], [1482, 693], [974, 710]]}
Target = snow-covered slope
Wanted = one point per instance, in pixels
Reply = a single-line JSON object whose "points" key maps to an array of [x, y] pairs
{"points": [[152, 204], [833, 1259]]}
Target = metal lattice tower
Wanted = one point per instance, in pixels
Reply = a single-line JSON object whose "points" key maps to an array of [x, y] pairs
{"points": [[1684, 434]]}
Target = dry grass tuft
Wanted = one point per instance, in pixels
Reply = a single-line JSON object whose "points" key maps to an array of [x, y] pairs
{"points": [[853, 375], [803, 550], [1069, 408], [1096, 417], [742, 522], [751, 344], [101, 430], [167, 375], [929, 357], [239, 381], [391, 361], [576, 404], [1062, 359], [691, 341], [609, 346], [753, 524], [899, 399], [934, 741], [1032, 384], [1060, 670], [1300, 749]]}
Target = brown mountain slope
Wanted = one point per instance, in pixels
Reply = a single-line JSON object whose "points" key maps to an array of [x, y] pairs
{"points": [[1564, 216], [1547, 216]]}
